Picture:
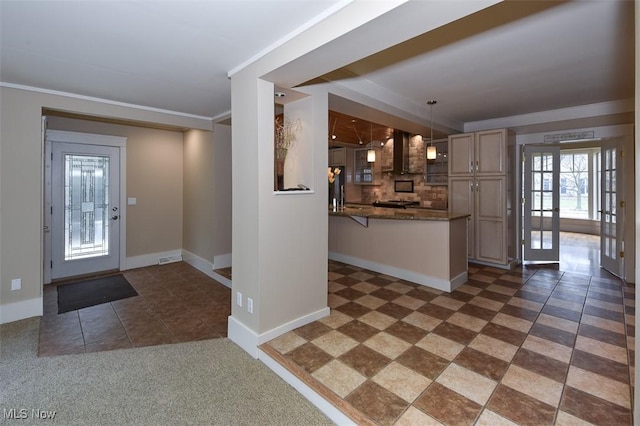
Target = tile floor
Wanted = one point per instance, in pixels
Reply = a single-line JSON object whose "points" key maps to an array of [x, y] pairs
{"points": [[527, 346], [530, 346], [175, 303]]}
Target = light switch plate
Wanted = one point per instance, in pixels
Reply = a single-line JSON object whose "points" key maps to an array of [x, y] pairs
{"points": [[132, 201], [16, 284]]}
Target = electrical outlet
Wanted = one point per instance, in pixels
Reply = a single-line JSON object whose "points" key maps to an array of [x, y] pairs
{"points": [[239, 299], [16, 284], [250, 305]]}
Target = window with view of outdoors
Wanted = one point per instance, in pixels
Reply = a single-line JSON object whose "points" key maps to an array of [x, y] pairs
{"points": [[580, 183]]}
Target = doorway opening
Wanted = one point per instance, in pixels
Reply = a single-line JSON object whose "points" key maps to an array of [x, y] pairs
{"points": [[570, 209], [83, 209]]}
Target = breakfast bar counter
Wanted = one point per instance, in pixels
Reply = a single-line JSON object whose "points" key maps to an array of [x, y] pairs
{"points": [[390, 213], [427, 247]]}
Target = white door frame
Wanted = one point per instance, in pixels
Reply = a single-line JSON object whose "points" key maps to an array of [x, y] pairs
{"points": [[85, 139], [613, 264], [550, 254]]}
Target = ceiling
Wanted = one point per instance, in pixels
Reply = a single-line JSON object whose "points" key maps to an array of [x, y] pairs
{"points": [[511, 59]]}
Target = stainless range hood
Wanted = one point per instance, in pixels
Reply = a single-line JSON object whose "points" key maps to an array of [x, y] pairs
{"points": [[401, 160]]}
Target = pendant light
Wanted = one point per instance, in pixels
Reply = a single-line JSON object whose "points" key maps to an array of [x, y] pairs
{"points": [[431, 150], [371, 153]]}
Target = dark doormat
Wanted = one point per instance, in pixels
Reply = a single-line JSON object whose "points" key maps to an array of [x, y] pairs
{"points": [[93, 292]]}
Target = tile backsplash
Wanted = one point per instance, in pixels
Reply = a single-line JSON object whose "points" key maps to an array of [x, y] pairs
{"points": [[430, 196]]}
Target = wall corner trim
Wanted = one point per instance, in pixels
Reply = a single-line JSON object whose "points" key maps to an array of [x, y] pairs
{"points": [[249, 340]]}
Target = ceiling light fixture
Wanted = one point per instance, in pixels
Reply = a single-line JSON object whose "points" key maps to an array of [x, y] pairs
{"points": [[371, 153], [279, 94], [431, 150], [356, 132], [333, 131]]}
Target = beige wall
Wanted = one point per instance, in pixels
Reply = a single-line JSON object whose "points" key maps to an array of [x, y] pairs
{"points": [[207, 194], [21, 181], [222, 190], [154, 178]]}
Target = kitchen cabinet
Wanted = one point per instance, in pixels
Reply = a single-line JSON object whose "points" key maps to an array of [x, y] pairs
{"points": [[365, 172], [480, 153], [481, 185], [337, 157], [437, 171]]}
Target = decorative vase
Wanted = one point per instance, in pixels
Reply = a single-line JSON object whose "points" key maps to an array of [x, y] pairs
{"points": [[281, 155]]}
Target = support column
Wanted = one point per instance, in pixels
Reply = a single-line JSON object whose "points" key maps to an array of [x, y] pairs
{"points": [[279, 238]]}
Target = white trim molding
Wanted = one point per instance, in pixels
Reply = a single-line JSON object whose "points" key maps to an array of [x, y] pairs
{"points": [[206, 267], [249, 340], [329, 410], [425, 280], [16, 311], [147, 259]]}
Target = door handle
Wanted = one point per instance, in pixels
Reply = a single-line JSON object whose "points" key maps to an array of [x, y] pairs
{"points": [[115, 217], [556, 209]]}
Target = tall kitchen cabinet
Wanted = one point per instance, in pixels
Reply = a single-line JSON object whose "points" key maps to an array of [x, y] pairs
{"points": [[481, 184]]}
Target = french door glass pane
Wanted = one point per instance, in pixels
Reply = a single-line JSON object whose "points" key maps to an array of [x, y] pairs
{"points": [[86, 210], [541, 200]]}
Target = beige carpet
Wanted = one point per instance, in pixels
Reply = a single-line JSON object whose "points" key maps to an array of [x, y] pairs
{"points": [[210, 382]]}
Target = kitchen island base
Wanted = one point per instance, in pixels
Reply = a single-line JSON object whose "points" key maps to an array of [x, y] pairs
{"points": [[432, 253]]}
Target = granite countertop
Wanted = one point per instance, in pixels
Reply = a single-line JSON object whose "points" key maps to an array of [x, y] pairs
{"points": [[371, 212]]}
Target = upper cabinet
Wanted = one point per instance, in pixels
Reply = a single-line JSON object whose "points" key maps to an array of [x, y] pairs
{"points": [[437, 169], [480, 153], [365, 173], [337, 157]]}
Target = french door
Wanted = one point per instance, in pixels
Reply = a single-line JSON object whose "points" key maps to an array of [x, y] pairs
{"points": [[611, 222], [541, 203], [541, 215], [84, 208]]}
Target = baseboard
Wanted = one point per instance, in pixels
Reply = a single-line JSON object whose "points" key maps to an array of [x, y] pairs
{"points": [[222, 261], [16, 311], [205, 267], [422, 279], [147, 259], [508, 266], [291, 325], [328, 409], [249, 340], [459, 280], [242, 336]]}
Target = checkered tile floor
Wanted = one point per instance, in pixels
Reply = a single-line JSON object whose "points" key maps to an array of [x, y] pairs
{"points": [[527, 346]]}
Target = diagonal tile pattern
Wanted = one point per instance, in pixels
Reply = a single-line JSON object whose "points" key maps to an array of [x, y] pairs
{"points": [[525, 346]]}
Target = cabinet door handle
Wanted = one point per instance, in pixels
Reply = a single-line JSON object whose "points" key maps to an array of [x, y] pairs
{"points": [[477, 166], [471, 166]]}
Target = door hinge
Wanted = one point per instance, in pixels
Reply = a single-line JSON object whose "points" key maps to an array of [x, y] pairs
{"points": [[51, 210], [51, 265], [621, 204], [523, 200], [621, 154], [522, 242], [621, 254]]}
